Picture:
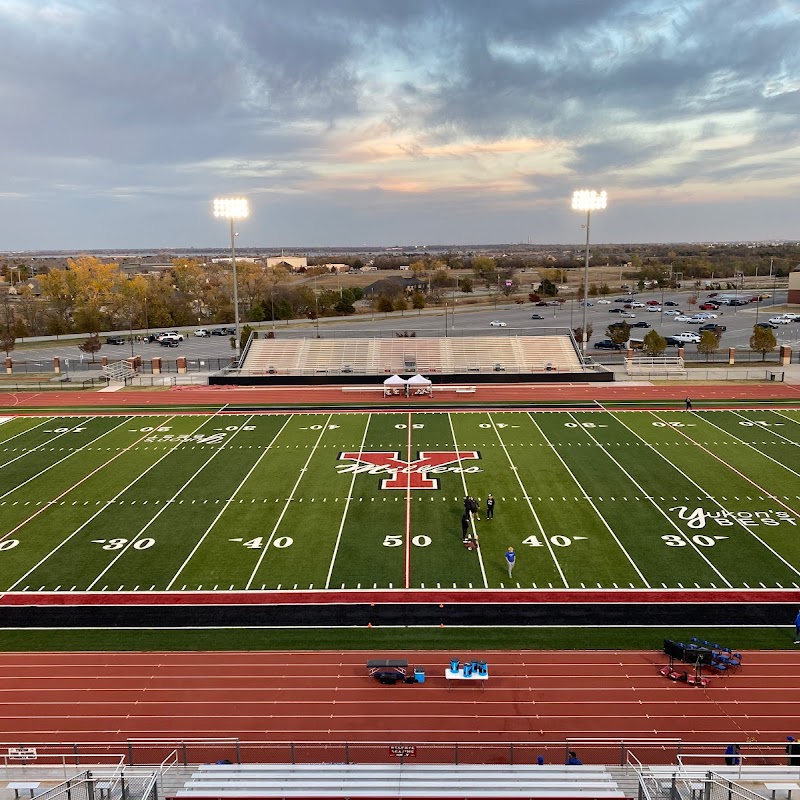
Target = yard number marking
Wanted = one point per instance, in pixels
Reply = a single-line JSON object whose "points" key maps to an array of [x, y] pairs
{"points": [[672, 540], [8, 544], [397, 541], [557, 540], [118, 544]]}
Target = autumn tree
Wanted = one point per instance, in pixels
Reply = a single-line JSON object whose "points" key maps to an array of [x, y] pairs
{"points": [[418, 301], [578, 333], [709, 343], [619, 334], [654, 344], [763, 341], [91, 345]]}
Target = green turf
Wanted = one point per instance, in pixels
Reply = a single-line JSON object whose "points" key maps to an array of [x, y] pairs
{"points": [[623, 499], [390, 640]]}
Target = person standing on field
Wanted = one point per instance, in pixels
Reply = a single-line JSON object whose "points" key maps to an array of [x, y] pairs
{"points": [[511, 558], [688, 403], [490, 507], [797, 628]]}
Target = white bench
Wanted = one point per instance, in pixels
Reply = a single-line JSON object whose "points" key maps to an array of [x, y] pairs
{"points": [[23, 786], [782, 787]]}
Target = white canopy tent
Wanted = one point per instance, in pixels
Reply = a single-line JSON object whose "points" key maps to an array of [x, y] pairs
{"points": [[420, 385], [394, 384]]}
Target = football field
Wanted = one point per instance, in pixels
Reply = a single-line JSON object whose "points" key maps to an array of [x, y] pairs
{"points": [[240, 501]]}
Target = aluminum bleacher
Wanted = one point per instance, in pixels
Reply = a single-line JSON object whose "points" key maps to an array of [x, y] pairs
{"points": [[464, 355], [400, 780]]}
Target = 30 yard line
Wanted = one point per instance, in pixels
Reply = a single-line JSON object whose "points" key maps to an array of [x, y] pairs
{"points": [[464, 485], [646, 495], [346, 507], [228, 502], [526, 495], [61, 460], [105, 506], [49, 441], [288, 502], [591, 503], [166, 505]]}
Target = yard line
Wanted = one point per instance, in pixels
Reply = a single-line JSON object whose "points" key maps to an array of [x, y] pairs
{"points": [[655, 505], [591, 503], [28, 430], [97, 513], [768, 430], [464, 484], [346, 506], [526, 495], [783, 416], [49, 441], [760, 488], [709, 497], [227, 503], [288, 501], [747, 444], [167, 504], [407, 542], [56, 463]]}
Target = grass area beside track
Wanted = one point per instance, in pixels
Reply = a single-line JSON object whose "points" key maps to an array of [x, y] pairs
{"points": [[388, 639]]}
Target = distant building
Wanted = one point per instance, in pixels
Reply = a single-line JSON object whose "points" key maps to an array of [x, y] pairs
{"points": [[394, 286], [337, 267], [794, 285], [292, 263]]}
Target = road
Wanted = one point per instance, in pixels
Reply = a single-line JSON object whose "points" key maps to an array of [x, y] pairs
{"points": [[467, 320]]}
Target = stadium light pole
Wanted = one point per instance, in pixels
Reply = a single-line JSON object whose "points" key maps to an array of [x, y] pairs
{"points": [[587, 200], [233, 208]]}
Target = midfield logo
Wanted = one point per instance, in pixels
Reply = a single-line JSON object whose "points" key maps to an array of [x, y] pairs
{"points": [[408, 474]]}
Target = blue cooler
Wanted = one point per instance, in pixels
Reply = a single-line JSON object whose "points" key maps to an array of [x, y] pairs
{"points": [[483, 669], [467, 670], [419, 674], [474, 666], [454, 664]]}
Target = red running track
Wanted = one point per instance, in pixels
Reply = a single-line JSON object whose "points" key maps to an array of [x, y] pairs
{"points": [[327, 696], [325, 395]]}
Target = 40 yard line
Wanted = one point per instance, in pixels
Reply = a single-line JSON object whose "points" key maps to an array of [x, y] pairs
{"points": [[346, 507]]}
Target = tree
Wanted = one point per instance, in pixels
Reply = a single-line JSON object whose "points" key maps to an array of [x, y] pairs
{"points": [[245, 336], [578, 333], [709, 343], [619, 334], [763, 341], [466, 285], [547, 288], [91, 345], [384, 304], [401, 304], [593, 290], [418, 301], [654, 343]]}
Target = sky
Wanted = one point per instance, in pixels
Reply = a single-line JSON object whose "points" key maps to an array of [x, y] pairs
{"points": [[397, 122]]}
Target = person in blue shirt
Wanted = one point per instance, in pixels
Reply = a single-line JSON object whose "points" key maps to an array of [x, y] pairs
{"points": [[511, 557], [797, 628], [732, 752], [573, 758]]}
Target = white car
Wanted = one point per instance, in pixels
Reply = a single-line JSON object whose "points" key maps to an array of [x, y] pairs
{"points": [[627, 314], [201, 332], [170, 334], [780, 320], [654, 309], [696, 320], [687, 337], [673, 312], [637, 304], [496, 323], [792, 317], [705, 315], [682, 318], [604, 302]]}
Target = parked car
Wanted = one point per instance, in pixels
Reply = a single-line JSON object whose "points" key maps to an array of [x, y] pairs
{"points": [[604, 302], [792, 317], [637, 304], [542, 303], [587, 303], [682, 318], [496, 323], [628, 314], [536, 316], [672, 341], [553, 302], [714, 326], [616, 310], [673, 312], [620, 299], [218, 331], [654, 302], [687, 337], [780, 320], [175, 334], [709, 307], [640, 324], [607, 344], [202, 332], [655, 309], [766, 325], [619, 324], [671, 303], [115, 340], [169, 341]]}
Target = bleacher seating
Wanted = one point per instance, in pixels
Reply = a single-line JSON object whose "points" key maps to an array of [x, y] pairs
{"points": [[430, 356], [399, 780]]}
